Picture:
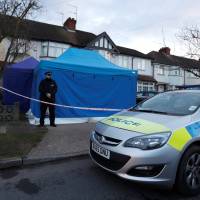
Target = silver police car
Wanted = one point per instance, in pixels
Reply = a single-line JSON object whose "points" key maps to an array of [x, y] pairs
{"points": [[157, 141]]}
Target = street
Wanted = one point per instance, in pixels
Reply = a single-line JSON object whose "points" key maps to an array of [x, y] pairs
{"points": [[73, 179]]}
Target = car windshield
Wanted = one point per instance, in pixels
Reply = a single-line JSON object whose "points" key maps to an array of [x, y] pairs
{"points": [[172, 103]]}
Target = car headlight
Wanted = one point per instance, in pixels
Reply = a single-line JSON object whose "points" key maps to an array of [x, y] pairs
{"points": [[148, 142]]}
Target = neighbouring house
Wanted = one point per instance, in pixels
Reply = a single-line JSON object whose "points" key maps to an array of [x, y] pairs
{"points": [[126, 57], [171, 71], [50, 41], [159, 71]]}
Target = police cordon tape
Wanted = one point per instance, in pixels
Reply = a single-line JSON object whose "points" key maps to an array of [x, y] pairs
{"points": [[60, 105]]}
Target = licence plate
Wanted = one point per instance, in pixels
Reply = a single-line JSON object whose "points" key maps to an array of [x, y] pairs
{"points": [[101, 151]]}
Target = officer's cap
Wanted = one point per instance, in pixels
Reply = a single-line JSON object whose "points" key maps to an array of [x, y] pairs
{"points": [[48, 73]]}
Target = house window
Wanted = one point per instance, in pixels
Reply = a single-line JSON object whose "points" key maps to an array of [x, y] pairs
{"points": [[105, 43], [97, 44], [139, 88], [129, 62], [55, 51], [109, 46], [52, 49], [44, 49], [145, 86], [150, 86], [124, 61], [176, 72], [141, 64], [161, 70], [120, 60], [170, 87], [101, 42]]}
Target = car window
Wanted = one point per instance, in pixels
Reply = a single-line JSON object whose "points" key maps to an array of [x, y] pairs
{"points": [[178, 103]]}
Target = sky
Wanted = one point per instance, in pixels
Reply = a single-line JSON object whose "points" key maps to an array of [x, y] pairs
{"points": [[144, 25]]}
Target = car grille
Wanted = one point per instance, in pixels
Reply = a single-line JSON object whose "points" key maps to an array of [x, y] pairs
{"points": [[106, 140], [116, 161]]}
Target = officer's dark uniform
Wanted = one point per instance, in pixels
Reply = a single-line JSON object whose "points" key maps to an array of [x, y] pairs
{"points": [[47, 86]]}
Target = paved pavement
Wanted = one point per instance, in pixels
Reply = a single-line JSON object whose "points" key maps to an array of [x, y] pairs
{"points": [[75, 179], [22, 127], [70, 139]]}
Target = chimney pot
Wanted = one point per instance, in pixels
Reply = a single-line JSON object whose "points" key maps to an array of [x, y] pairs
{"points": [[165, 50], [70, 24]]}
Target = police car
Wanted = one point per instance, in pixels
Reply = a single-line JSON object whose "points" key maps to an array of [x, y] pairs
{"points": [[156, 142]]}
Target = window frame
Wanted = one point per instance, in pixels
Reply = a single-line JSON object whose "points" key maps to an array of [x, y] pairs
{"points": [[171, 72], [149, 86], [159, 70], [53, 45], [141, 65]]}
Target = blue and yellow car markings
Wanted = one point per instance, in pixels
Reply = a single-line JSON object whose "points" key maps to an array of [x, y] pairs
{"points": [[178, 139], [181, 136], [194, 129], [135, 124]]}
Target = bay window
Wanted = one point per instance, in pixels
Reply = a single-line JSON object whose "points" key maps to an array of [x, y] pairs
{"points": [[52, 49]]}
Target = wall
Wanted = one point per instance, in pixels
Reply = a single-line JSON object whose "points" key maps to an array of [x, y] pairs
{"points": [[3, 48], [174, 79], [160, 77], [169, 76], [190, 79], [35, 49], [143, 66]]}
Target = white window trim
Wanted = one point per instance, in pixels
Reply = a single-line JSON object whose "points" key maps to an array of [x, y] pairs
{"points": [[171, 72], [145, 84], [141, 65], [53, 45], [158, 70]]}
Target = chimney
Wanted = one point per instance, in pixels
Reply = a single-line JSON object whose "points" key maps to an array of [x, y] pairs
{"points": [[165, 50], [70, 24]]}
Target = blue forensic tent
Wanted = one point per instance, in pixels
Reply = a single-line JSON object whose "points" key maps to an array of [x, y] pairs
{"points": [[18, 78], [86, 79]]}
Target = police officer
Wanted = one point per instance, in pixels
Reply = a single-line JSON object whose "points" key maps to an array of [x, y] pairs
{"points": [[47, 89]]}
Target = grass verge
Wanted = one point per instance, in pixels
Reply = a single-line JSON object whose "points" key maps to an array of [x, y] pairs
{"points": [[19, 144]]}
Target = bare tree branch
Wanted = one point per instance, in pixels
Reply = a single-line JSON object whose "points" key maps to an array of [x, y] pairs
{"points": [[194, 72], [16, 11], [190, 36]]}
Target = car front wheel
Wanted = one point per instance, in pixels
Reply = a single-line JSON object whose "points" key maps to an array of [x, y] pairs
{"points": [[188, 177]]}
